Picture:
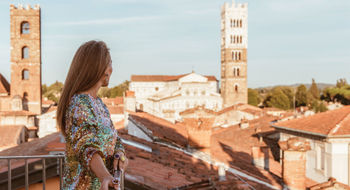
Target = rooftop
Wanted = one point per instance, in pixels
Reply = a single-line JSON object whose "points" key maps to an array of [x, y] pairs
{"points": [[162, 78], [325, 124]]}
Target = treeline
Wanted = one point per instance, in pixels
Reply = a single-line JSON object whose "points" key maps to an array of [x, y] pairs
{"points": [[53, 91], [285, 97]]}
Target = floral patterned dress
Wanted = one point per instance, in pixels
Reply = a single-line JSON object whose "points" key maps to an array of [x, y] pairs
{"points": [[89, 130]]}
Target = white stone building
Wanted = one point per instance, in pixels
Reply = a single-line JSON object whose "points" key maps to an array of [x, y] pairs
{"points": [[329, 136], [165, 96]]}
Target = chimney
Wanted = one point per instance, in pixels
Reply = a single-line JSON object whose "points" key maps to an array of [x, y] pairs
{"points": [[260, 156], [129, 101], [199, 133], [294, 162], [222, 173]]}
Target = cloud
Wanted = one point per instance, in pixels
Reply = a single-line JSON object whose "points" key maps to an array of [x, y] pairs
{"points": [[107, 21]]}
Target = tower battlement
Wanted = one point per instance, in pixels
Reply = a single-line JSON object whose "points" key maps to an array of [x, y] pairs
{"points": [[241, 6], [25, 7]]}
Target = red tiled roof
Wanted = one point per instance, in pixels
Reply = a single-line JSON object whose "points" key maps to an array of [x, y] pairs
{"points": [[242, 107], [9, 134], [163, 78], [329, 123], [129, 93], [162, 128], [34, 147], [4, 85], [233, 146], [17, 113], [199, 123], [167, 168], [116, 109]]}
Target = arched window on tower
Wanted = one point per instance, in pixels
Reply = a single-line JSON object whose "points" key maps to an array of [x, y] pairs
{"points": [[236, 88], [234, 71], [240, 39], [25, 52], [25, 74], [237, 40], [239, 56], [233, 55], [236, 56], [240, 23], [237, 71], [25, 27]]}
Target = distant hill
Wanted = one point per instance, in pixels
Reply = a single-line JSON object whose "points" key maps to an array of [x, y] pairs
{"points": [[320, 86]]}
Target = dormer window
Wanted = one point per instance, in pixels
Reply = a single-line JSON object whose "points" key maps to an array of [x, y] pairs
{"points": [[25, 27]]}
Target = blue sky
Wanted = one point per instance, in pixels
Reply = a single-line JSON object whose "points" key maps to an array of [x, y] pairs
{"points": [[288, 41]]}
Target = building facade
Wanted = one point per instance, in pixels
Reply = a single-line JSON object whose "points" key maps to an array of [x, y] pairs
{"points": [[166, 96], [234, 44], [329, 138]]}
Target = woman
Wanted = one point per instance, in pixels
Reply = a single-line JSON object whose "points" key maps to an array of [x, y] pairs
{"points": [[93, 148]]}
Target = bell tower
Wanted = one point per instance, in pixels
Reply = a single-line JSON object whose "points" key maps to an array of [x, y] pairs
{"points": [[25, 37], [234, 44]]}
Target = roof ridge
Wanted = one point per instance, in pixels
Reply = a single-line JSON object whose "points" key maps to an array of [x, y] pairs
{"points": [[340, 124]]}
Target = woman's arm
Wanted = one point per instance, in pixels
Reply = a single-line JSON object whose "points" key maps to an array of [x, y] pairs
{"points": [[100, 170]]}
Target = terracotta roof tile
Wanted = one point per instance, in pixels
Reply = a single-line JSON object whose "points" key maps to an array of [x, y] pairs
{"points": [[329, 123], [162, 128], [9, 134], [4, 85], [17, 113], [162, 78], [116, 109]]}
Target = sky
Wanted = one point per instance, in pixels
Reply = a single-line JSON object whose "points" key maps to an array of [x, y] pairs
{"points": [[288, 41]]}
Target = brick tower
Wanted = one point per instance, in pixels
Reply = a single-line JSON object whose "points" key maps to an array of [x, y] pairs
{"points": [[25, 35], [234, 43]]}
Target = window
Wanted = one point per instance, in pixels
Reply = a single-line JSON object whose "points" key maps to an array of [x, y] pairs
{"points": [[320, 157], [25, 52], [236, 88], [234, 71], [239, 56], [240, 23], [237, 71], [156, 88], [25, 74], [25, 27]]}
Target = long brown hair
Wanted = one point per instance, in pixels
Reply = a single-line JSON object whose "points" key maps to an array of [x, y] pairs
{"points": [[87, 68]]}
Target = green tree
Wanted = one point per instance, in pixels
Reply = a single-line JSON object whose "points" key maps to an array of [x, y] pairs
{"points": [[341, 82], [301, 96], [278, 99], [104, 92], [43, 88], [314, 90], [119, 90], [253, 97]]}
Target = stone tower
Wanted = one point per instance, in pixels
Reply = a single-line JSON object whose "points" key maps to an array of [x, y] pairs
{"points": [[25, 35], [234, 43]]}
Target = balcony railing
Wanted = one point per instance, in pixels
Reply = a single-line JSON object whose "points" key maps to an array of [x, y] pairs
{"points": [[43, 158]]}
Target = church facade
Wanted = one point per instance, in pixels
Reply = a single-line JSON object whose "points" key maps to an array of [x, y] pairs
{"points": [[166, 96]]}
